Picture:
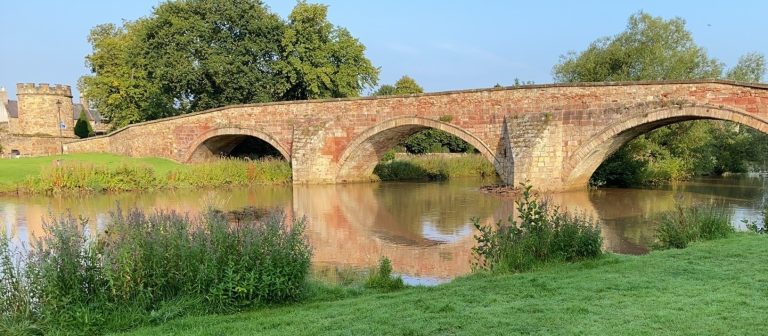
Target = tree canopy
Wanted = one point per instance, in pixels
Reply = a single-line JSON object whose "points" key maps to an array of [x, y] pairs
{"points": [[194, 55], [404, 86], [652, 48]]}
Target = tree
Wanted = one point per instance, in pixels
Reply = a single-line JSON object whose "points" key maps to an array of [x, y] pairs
{"points": [[652, 48], [407, 85], [404, 86], [750, 68], [385, 90], [320, 60], [83, 128], [195, 55]]}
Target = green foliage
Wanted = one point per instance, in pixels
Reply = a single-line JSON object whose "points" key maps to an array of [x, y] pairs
{"points": [[194, 55], [683, 225], [381, 277], [385, 90], [670, 290], [404, 86], [231, 172], [434, 168], [436, 141], [389, 155], [543, 234], [753, 226], [651, 48], [83, 128], [750, 68], [319, 60], [82, 177], [146, 268]]}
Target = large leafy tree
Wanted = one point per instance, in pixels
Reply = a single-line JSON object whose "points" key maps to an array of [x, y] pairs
{"points": [[320, 60], [652, 48], [194, 55], [404, 86]]}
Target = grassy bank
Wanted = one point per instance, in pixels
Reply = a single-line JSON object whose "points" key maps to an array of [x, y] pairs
{"points": [[144, 268], [14, 171], [714, 287], [98, 172], [435, 167]]}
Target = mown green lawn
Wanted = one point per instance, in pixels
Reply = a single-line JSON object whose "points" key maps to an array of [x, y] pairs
{"points": [[712, 288], [13, 171]]}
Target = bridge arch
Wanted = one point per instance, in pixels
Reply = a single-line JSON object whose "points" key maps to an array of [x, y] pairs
{"points": [[360, 157], [225, 140], [583, 162]]}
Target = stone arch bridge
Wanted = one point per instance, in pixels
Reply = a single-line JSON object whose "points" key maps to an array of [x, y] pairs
{"points": [[554, 136]]}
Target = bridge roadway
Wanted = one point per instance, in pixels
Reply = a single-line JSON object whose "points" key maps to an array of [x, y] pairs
{"points": [[553, 136]]}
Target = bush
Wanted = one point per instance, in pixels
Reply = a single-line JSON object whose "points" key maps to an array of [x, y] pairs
{"points": [[543, 234], [435, 168], [148, 267], [381, 277], [83, 128], [683, 225]]}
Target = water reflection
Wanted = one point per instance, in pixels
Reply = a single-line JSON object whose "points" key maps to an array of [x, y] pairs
{"points": [[424, 228]]}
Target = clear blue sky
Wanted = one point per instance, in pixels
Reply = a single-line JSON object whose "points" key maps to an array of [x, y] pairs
{"points": [[444, 45]]}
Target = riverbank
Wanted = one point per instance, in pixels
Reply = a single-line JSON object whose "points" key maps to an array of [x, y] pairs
{"points": [[434, 167], [102, 172], [715, 287]]}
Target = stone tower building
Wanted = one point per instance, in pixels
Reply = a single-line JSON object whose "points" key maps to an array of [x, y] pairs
{"points": [[46, 110]]}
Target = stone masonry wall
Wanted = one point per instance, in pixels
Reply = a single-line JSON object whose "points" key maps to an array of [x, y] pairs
{"points": [[42, 108], [550, 135]]}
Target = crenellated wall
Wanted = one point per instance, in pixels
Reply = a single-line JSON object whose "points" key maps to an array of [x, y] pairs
{"points": [[43, 109]]}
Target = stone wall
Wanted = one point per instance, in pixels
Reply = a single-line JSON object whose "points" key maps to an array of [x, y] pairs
{"points": [[42, 108], [32, 145], [553, 136]]}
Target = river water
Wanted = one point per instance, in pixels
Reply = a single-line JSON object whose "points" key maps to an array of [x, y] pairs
{"points": [[424, 228]]}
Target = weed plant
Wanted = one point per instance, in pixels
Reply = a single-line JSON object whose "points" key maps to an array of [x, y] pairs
{"points": [[231, 172], [542, 235], [679, 227], [381, 277], [147, 268], [131, 177]]}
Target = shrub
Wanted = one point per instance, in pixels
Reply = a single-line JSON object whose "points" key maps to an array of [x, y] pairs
{"points": [[683, 225], [148, 267], [435, 168], [543, 234], [83, 128], [381, 277]]}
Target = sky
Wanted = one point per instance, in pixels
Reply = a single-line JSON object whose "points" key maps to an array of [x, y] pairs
{"points": [[444, 45]]}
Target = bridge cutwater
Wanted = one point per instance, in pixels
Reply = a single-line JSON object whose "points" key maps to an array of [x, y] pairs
{"points": [[553, 136]]}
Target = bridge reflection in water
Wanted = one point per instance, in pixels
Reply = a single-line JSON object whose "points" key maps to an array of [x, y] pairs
{"points": [[424, 228]]}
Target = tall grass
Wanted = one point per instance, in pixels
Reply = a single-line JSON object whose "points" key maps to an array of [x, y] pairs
{"points": [[683, 225], [80, 177], [231, 172], [543, 234], [149, 267], [435, 167]]}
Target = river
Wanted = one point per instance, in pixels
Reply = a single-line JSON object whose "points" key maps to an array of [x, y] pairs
{"points": [[424, 228]]}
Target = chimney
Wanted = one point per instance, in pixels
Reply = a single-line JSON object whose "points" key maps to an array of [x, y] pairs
{"points": [[3, 95]]}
